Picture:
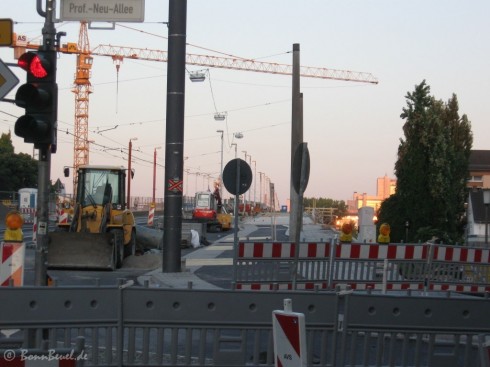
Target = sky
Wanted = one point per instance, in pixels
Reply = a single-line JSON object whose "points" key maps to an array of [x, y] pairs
{"points": [[352, 129]]}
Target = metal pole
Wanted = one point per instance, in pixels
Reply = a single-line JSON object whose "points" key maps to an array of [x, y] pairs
{"points": [[154, 173], [296, 139], [255, 182], [174, 149], [128, 201], [221, 167], [235, 213], [486, 224], [44, 163]]}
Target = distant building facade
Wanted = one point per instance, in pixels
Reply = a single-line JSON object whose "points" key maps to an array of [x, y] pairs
{"points": [[385, 187]]}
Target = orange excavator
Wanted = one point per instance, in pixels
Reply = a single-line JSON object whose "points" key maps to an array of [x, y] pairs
{"points": [[209, 209]]}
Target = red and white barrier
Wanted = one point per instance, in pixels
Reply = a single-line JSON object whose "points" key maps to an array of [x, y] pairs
{"points": [[282, 250], [28, 214], [369, 251], [435, 267], [151, 215], [289, 332], [12, 265]]}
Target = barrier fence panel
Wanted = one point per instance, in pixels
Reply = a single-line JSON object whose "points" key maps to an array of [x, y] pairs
{"points": [[385, 267], [138, 326]]}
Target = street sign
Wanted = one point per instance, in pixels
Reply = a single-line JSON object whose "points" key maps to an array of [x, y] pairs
{"points": [[8, 80], [103, 11], [6, 30], [301, 168], [237, 185]]}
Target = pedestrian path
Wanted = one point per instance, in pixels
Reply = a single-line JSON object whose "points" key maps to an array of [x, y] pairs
{"points": [[212, 255]]}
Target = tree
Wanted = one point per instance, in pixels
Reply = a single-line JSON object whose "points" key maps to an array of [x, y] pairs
{"points": [[16, 170], [431, 170]]}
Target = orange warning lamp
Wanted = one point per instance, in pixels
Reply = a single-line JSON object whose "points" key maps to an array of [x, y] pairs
{"points": [[13, 222], [346, 232], [384, 233]]}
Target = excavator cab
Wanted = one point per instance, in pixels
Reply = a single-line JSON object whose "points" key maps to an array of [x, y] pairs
{"points": [[102, 231]]}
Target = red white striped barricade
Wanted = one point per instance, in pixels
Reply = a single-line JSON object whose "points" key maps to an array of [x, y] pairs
{"points": [[64, 217], [289, 333], [28, 214], [12, 265], [363, 266], [151, 215]]}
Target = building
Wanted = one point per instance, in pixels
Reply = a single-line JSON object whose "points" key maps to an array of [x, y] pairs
{"points": [[385, 187], [478, 212]]}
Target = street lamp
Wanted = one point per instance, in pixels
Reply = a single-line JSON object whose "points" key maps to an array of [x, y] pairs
{"points": [[235, 148], [486, 201], [154, 172], [255, 180], [221, 168], [130, 149]]}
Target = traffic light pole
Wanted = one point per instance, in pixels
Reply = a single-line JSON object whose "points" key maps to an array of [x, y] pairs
{"points": [[44, 163], [44, 169]]}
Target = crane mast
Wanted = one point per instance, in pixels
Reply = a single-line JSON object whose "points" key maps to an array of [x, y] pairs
{"points": [[82, 90]]}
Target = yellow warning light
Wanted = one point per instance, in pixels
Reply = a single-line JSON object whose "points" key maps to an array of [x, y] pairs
{"points": [[13, 222]]}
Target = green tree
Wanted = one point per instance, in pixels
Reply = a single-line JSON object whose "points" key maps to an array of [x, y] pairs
{"points": [[431, 170], [16, 170]]}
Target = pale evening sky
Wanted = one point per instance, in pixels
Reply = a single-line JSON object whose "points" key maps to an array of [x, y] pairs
{"points": [[352, 129]]}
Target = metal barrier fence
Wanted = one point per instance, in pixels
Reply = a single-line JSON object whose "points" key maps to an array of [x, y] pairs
{"points": [[428, 267], [141, 326]]}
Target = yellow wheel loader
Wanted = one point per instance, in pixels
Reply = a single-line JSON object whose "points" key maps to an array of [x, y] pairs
{"points": [[101, 232]]}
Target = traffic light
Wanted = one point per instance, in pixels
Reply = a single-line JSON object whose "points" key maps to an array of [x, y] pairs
{"points": [[39, 97]]}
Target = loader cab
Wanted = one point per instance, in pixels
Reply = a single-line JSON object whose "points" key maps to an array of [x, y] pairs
{"points": [[101, 185]]}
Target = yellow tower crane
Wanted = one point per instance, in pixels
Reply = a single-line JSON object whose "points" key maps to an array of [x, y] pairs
{"points": [[82, 87]]}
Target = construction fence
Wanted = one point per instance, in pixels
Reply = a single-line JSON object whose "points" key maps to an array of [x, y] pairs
{"points": [[141, 326], [362, 266]]}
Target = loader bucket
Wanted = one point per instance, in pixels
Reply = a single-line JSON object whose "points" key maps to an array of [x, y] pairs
{"points": [[79, 250]]}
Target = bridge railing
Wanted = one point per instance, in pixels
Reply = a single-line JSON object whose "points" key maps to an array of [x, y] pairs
{"points": [[385, 267], [142, 326]]}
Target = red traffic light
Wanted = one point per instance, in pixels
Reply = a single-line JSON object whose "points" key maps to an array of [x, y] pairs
{"points": [[35, 64]]}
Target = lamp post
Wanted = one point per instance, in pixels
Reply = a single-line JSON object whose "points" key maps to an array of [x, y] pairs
{"points": [[486, 201], [255, 181], [154, 172], [221, 167], [244, 194], [260, 189], [130, 150]]}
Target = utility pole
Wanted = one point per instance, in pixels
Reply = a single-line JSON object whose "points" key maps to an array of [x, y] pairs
{"points": [[296, 139], [174, 148]]}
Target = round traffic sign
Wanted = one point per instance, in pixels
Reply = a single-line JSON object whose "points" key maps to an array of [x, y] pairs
{"points": [[237, 176]]}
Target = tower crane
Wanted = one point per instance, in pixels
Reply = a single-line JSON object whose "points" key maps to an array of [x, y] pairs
{"points": [[82, 87]]}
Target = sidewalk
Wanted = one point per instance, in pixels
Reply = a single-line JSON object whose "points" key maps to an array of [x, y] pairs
{"points": [[210, 255]]}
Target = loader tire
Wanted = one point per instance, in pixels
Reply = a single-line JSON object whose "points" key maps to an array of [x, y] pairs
{"points": [[118, 238], [130, 248]]}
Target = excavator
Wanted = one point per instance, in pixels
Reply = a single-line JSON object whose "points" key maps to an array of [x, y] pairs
{"points": [[209, 209], [101, 230]]}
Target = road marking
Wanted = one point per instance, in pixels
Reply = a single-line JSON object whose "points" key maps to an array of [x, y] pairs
{"points": [[219, 248], [208, 262]]}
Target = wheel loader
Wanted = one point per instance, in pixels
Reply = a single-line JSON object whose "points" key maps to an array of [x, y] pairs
{"points": [[100, 232]]}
